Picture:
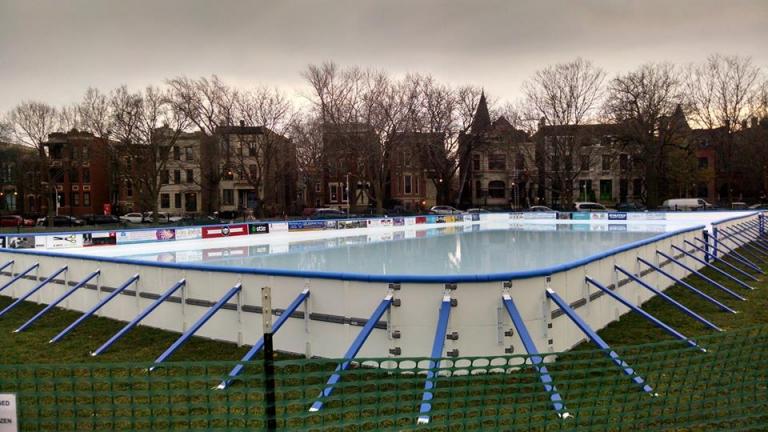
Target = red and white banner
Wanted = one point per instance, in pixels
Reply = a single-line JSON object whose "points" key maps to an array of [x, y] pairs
{"points": [[225, 231]]}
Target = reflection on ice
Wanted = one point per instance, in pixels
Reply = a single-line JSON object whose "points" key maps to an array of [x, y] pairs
{"points": [[470, 249]]}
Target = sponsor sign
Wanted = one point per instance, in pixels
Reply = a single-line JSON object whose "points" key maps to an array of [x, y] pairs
{"points": [[306, 225], [189, 233], [617, 216], [386, 222], [60, 241], [278, 227], [2, 242], [475, 217], [21, 242], [138, 236], [225, 231], [598, 216], [398, 221], [580, 216], [421, 219], [374, 222], [330, 225], [219, 253], [258, 228], [99, 239], [107, 208], [9, 421], [410, 221], [349, 224], [449, 219], [539, 215]]}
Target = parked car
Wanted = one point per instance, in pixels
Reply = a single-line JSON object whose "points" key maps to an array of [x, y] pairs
{"points": [[477, 210], [327, 213], [761, 206], [540, 209], [630, 207], [686, 204], [162, 217], [135, 218], [738, 205], [100, 219], [61, 221], [444, 210], [589, 207], [15, 221]]}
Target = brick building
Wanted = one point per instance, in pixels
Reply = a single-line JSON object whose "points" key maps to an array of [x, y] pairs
{"points": [[345, 183], [412, 179]]}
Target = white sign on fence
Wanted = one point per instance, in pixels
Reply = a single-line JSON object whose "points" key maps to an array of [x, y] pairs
{"points": [[8, 418]]}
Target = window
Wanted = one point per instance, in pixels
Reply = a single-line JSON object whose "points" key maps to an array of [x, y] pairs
{"points": [[497, 189], [637, 187], [165, 200], [478, 189], [190, 176], [86, 199], [165, 177], [176, 153], [177, 200], [176, 176], [703, 163], [252, 150], [416, 185], [334, 192], [74, 200], [228, 174], [476, 162], [317, 187], [74, 176], [623, 190], [519, 162], [228, 197], [497, 162], [86, 153], [188, 155], [584, 162], [623, 162], [190, 202], [129, 188], [606, 190], [407, 184], [86, 175], [606, 165]]}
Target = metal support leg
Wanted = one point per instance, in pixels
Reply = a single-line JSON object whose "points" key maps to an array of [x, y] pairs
{"points": [[434, 363], [702, 276], [717, 269], [19, 276], [728, 251], [32, 291], [57, 301]]}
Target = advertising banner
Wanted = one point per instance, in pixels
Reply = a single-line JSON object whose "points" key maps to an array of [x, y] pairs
{"points": [[398, 221], [598, 216], [225, 231], [20, 242], [99, 239], [138, 236], [617, 216], [421, 219], [189, 233], [539, 215], [306, 225], [580, 216], [60, 241], [349, 224], [410, 221], [278, 227], [2, 242], [258, 228]]}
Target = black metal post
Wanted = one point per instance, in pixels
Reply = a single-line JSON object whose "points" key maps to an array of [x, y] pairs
{"points": [[270, 411]]}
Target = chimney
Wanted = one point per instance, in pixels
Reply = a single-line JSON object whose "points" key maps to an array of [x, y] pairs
{"points": [[242, 123]]}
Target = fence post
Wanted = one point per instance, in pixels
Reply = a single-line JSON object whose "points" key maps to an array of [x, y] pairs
{"points": [[705, 234], [269, 365]]}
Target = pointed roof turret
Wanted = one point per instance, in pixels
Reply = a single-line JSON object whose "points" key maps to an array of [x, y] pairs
{"points": [[482, 119]]}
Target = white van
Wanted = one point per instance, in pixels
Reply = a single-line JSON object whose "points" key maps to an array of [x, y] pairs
{"points": [[686, 204]]}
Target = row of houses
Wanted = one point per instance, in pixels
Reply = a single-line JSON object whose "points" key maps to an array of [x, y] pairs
{"points": [[253, 170]]}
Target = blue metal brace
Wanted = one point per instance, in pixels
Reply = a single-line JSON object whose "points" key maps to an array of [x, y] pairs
{"points": [[301, 298], [688, 286], [534, 356], [352, 351], [184, 338], [57, 301], [438, 344], [94, 309], [3, 267], [669, 299], [728, 252], [721, 260], [32, 291], [702, 276], [747, 248], [597, 340], [713, 267], [753, 231], [19, 276], [128, 327], [657, 322], [752, 243]]}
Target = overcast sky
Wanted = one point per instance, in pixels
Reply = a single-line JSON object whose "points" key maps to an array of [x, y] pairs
{"points": [[52, 50]]}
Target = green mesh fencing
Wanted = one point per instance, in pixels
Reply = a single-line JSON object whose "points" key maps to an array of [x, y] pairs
{"points": [[726, 387]]}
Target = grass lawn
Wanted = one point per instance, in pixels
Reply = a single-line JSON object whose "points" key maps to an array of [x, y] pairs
{"points": [[67, 389]]}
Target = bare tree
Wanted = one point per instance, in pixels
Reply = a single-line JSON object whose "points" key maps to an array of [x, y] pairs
{"points": [[95, 112], [721, 93], [307, 135], [209, 104], [147, 128], [266, 160], [645, 104], [31, 124], [565, 95]]}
